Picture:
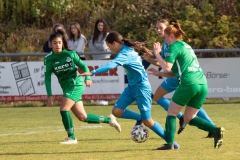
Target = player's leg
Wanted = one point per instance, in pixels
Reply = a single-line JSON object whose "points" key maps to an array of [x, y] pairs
{"points": [[191, 111], [158, 97], [144, 103], [120, 108], [66, 105], [167, 86], [170, 126], [202, 114]]}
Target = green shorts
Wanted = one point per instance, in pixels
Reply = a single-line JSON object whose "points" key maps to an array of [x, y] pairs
{"points": [[190, 95], [73, 92]]}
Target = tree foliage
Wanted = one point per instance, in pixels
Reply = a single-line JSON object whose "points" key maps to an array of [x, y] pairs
{"points": [[209, 23]]}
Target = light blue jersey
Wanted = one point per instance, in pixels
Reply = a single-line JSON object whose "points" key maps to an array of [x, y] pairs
{"points": [[139, 88], [169, 84], [132, 63]]}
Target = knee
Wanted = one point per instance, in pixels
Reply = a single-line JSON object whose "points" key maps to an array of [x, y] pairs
{"points": [[116, 113], [82, 118], [155, 98], [187, 118], [149, 123]]}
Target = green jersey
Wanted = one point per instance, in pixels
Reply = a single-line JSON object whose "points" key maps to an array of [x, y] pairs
{"points": [[185, 64], [64, 66]]}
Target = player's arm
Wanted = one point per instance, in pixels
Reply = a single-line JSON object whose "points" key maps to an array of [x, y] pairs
{"points": [[166, 66], [150, 60], [155, 72], [110, 65], [47, 75], [81, 65]]}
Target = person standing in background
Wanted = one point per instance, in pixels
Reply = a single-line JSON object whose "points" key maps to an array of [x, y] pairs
{"points": [[97, 42], [47, 47], [77, 40]]}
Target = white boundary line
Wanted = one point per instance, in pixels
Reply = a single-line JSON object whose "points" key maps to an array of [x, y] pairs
{"points": [[58, 130]]}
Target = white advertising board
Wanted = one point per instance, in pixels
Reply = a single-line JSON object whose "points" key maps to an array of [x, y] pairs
{"points": [[222, 74], [25, 81]]}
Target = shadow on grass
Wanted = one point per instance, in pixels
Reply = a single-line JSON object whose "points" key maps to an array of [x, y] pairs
{"points": [[91, 152]]}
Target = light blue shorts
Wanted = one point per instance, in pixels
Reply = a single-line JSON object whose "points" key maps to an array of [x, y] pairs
{"points": [[142, 98], [170, 84]]}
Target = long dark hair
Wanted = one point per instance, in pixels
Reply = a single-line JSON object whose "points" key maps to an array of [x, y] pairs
{"points": [[139, 47], [96, 32], [77, 25], [60, 34], [62, 29]]}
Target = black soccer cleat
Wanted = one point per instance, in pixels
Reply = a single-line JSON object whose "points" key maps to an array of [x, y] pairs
{"points": [[182, 125], [166, 147], [210, 135], [218, 137], [138, 123]]}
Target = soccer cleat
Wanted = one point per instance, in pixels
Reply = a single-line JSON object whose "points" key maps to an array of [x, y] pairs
{"points": [[210, 135], [114, 123], [182, 125], [69, 140], [176, 145], [138, 123], [218, 137], [166, 147]]}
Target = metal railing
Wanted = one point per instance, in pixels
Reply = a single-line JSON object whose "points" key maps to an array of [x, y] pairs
{"points": [[93, 53]]}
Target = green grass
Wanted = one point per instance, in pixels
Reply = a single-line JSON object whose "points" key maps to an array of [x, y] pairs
{"points": [[35, 132]]}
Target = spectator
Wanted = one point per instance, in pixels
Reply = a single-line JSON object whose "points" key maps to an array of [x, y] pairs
{"points": [[47, 47], [97, 42], [77, 40]]}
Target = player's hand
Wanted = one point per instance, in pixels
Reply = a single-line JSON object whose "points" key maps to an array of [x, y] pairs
{"points": [[50, 101], [88, 83], [154, 72], [85, 74], [146, 57], [157, 48]]}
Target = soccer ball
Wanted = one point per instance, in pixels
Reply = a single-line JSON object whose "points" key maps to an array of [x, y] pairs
{"points": [[139, 133]]}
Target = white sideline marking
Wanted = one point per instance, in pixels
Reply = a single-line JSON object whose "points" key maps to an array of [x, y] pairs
{"points": [[58, 130]]}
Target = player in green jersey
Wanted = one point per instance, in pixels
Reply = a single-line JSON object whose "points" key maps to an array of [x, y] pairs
{"points": [[63, 62], [191, 92]]}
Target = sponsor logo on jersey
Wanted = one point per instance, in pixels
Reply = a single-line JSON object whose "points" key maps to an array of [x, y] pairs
{"points": [[68, 59]]}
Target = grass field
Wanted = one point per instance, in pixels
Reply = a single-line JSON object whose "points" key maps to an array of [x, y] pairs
{"points": [[35, 132]]}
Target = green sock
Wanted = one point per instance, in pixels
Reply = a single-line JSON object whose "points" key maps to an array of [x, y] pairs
{"points": [[68, 124], [170, 129], [93, 118], [203, 124]]}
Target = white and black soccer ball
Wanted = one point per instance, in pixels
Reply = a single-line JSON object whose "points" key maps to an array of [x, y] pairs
{"points": [[139, 133]]}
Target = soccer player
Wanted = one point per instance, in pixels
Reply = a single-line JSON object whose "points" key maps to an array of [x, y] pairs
{"points": [[138, 89], [62, 62], [170, 84], [191, 92]]}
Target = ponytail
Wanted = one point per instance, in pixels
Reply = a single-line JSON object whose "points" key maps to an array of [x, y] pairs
{"points": [[61, 34]]}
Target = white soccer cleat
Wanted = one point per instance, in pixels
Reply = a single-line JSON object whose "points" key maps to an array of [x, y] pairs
{"points": [[69, 140], [114, 123]]}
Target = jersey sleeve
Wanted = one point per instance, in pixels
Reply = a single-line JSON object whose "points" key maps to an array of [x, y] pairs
{"points": [[110, 65], [171, 55], [47, 75], [81, 65]]}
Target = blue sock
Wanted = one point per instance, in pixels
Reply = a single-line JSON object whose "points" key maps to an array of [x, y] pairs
{"points": [[157, 128], [128, 114], [202, 114], [165, 104]]}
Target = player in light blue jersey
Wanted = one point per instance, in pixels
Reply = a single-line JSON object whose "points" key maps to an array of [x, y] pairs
{"points": [[170, 84], [138, 89]]}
